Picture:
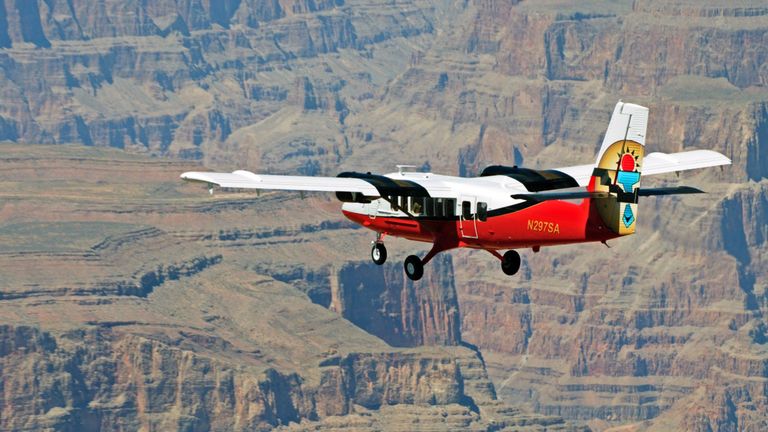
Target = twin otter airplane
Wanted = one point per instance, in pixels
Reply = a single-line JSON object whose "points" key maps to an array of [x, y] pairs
{"points": [[506, 208]]}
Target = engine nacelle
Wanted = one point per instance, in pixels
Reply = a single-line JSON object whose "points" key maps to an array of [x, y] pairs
{"points": [[355, 197]]}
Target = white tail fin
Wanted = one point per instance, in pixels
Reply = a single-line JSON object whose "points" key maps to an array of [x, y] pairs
{"points": [[619, 164]]}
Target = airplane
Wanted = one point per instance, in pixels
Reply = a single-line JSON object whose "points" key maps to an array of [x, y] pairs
{"points": [[505, 208]]}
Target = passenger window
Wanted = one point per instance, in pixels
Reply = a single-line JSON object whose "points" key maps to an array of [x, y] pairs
{"points": [[417, 205], [429, 203], [403, 202], [466, 210], [482, 211], [450, 207], [439, 209], [393, 203]]}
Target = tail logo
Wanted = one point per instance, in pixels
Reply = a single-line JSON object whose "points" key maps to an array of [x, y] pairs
{"points": [[629, 217], [618, 173], [627, 175], [619, 164]]}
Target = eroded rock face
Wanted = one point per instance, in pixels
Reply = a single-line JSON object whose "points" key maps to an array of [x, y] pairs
{"points": [[637, 331], [384, 302], [139, 75], [153, 309], [99, 379], [108, 380]]}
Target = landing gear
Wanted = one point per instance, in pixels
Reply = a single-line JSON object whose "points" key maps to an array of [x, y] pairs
{"points": [[378, 250], [510, 262], [379, 253], [414, 268]]}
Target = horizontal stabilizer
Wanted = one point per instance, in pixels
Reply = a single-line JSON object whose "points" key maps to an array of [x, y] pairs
{"points": [[658, 163], [547, 196], [676, 190]]}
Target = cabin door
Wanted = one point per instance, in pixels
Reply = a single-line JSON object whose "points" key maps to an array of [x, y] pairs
{"points": [[373, 208]]}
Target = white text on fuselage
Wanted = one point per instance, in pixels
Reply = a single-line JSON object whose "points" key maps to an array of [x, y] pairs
{"points": [[543, 226]]}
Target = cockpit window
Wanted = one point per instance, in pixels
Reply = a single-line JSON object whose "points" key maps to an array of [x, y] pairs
{"points": [[482, 211]]}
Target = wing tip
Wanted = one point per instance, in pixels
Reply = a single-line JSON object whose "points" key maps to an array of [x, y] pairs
{"points": [[684, 190], [194, 176]]}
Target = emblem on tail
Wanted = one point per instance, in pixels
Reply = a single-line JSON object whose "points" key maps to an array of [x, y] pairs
{"points": [[618, 168]]}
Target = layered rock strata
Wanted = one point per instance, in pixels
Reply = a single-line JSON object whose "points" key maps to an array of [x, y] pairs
{"points": [[130, 300]]}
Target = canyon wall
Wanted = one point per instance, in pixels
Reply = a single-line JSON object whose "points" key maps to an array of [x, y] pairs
{"points": [[130, 300], [271, 314]]}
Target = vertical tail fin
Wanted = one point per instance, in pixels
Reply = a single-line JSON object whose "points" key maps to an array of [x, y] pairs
{"points": [[618, 167]]}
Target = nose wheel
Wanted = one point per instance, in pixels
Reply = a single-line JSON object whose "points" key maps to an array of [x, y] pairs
{"points": [[379, 253], [510, 262], [414, 268]]}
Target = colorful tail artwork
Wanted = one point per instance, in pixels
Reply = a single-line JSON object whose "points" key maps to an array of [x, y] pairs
{"points": [[618, 167]]}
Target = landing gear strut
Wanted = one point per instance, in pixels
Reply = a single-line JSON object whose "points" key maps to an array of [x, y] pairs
{"points": [[414, 266], [510, 262], [378, 250]]}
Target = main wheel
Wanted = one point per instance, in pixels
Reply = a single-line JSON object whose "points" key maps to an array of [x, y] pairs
{"points": [[414, 269], [379, 253], [511, 262]]}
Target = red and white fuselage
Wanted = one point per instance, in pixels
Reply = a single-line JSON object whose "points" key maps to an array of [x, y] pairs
{"points": [[502, 222]]}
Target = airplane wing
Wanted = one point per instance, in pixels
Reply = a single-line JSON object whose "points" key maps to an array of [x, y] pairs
{"points": [[658, 163], [372, 185], [366, 185], [248, 180]]}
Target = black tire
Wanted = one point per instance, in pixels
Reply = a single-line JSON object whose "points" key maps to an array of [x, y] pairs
{"points": [[379, 253], [414, 269], [511, 262]]}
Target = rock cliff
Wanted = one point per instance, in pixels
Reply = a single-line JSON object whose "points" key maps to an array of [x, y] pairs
{"points": [[100, 378], [384, 302], [133, 301]]}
